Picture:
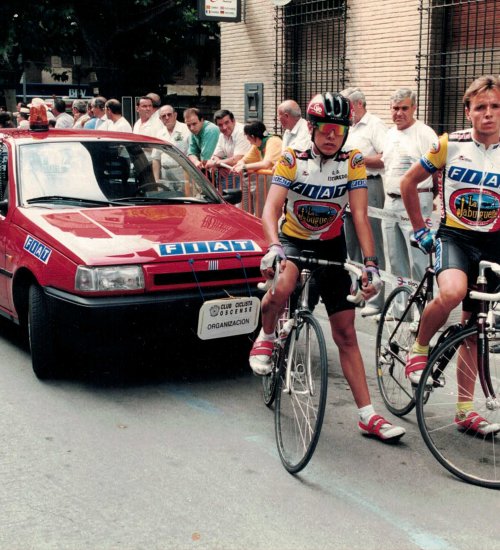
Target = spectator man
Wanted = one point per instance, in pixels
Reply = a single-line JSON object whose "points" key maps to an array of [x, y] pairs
{"points": [[296, 135], [116, 121], [22, 117], [98, 106], [63, 120], [173, 131], [367, 134], [204, 137], [146, 124], [80, 116], [407, 141], [156, 99], [176, 133], [231, 147]]}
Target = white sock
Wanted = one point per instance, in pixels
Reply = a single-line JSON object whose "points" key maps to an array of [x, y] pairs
{"points": [[365, 413], [264, 336]]}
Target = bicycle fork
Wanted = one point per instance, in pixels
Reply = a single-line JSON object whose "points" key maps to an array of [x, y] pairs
{"points": [[483, 358], [298, 377]]}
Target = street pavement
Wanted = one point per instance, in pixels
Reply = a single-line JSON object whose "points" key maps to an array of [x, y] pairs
{"points": [[182, 455]]}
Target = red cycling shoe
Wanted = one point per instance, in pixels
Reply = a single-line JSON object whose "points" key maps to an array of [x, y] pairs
{"points": [[379, 427], [260, 357]]}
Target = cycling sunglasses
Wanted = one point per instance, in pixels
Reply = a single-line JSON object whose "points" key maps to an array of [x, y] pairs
{"points": [[329, 127]]}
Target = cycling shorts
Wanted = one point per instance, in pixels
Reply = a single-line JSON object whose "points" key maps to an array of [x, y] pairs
{"points": [[463, 250], [332, 283]]}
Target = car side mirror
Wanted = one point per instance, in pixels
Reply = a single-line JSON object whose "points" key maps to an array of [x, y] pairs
{"points": [[232, 196], [4, 206]]}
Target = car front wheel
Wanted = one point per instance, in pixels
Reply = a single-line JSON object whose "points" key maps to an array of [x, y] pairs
{"points": [[42, 335]]}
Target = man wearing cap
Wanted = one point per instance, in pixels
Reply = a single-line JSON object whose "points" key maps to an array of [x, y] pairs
{"points": [[22, 116]]}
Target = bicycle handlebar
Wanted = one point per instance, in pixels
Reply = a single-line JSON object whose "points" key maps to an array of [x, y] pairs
{"points": [[356, 297], [486, 296]]}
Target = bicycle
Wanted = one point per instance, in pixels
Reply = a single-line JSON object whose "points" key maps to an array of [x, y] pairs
{"points": [[464, 366], [299, 377], [397, 330]]}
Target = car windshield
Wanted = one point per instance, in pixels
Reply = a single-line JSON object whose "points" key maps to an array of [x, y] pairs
{"points": [[93, 173]]}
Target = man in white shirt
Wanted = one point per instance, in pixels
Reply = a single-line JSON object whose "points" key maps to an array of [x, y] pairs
{"points": [[116, 121], [146, 124], [231, 147], [296, 135], [98, 109], [405, 143], [367, 134], [156, 99], [176, 133], [63, 120]]}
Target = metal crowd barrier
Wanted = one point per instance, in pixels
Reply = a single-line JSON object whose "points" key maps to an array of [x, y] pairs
{"points": [[254, 187]]}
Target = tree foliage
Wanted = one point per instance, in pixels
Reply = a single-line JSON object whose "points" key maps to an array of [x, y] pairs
{"points": [[134, 45]]}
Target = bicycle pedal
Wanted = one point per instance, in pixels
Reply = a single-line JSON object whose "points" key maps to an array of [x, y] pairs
{"points": [[431, 383]]}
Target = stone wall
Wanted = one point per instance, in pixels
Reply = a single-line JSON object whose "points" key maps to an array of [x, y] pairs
{"points": [[382, 45]]}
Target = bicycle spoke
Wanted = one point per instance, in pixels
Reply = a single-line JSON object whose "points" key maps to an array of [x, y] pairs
{"points": [[470, 455], [301, 394], [396, 334]]}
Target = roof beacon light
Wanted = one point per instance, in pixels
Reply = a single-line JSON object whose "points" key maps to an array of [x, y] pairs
{"points": [[38, 116]]}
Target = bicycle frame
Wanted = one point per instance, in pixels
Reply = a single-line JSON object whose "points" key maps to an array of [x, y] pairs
{"points": [[484, 328], [419, 295]]}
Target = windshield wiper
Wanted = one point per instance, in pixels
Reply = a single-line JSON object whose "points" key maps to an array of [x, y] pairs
{"points": [[160, 200], [59, 198]]}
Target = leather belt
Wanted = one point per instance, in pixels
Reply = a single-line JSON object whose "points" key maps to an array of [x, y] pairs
{"points": [[398, 196]]}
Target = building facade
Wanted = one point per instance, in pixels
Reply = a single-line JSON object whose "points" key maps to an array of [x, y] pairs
{"points": [[436, 47]]}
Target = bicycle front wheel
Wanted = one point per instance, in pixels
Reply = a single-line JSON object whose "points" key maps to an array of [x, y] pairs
{"points": [[269, 382], [396, 334], [301, 393], [465, 453]]}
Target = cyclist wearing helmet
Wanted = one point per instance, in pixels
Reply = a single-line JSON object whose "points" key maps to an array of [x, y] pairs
{"points": [[313, 187]]}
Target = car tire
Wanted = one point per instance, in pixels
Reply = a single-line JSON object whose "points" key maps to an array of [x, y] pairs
{"points": [[42, 335]]}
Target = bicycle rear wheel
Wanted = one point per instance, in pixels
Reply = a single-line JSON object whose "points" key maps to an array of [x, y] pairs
{"points": [[300, 407], [472, 457], [396, 334]]}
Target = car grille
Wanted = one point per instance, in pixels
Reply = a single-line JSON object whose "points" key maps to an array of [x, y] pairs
{"points": [[221, 276]]}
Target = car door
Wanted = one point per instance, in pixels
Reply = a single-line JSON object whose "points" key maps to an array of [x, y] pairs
{"points": [[5, 275]]}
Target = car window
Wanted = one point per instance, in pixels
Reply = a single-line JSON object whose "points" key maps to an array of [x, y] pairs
{"points": [[63, 169], [108, 171]]}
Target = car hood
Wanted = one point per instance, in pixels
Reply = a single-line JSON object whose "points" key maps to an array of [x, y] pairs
{"points": [[142, 233]]}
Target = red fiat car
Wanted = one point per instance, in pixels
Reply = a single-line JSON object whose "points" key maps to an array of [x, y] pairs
{"points": [[108, 236]]}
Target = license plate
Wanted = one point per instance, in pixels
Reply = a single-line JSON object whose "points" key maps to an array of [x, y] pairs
{"points": [[228, 317]]}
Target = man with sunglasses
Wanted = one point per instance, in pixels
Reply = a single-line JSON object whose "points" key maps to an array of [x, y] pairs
{"points": [[314, 188], [176, 133]]}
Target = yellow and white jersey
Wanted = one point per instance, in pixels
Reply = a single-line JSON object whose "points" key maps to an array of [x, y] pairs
{"points": [[470, 190], [318, 191]]}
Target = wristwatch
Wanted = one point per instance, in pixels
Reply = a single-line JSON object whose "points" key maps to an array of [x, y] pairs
{"points": [[372, 259]]}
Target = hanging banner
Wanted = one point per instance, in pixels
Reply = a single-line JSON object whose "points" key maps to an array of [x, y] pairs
{"points": [[219, 10]]}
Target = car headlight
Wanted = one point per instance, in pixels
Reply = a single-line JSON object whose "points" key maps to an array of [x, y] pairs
{"points": [[111, 278]]}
